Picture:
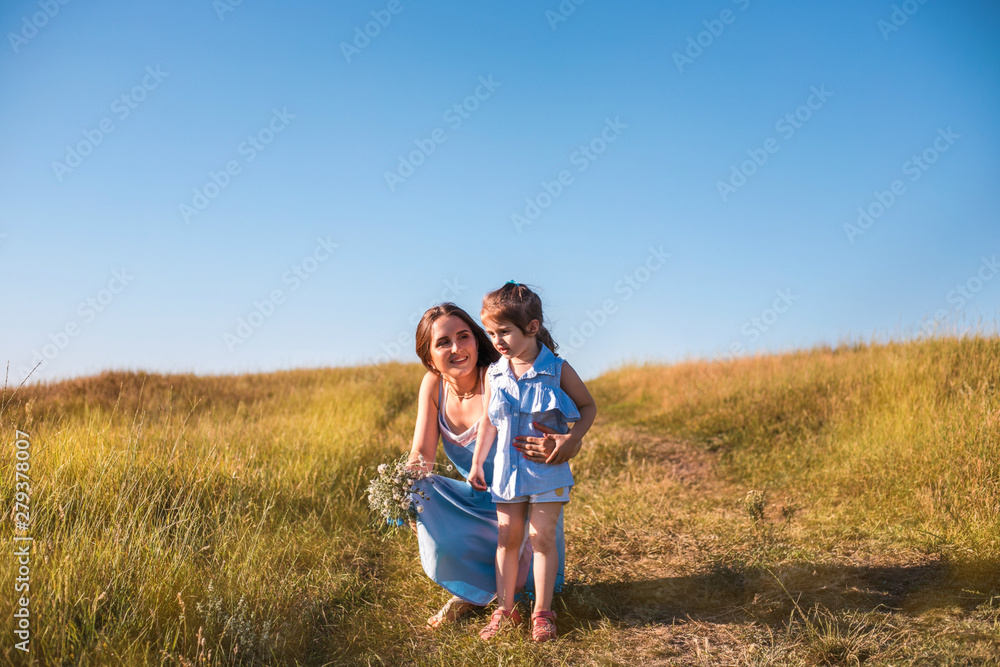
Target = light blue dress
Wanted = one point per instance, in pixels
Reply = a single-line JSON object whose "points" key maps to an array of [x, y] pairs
{"points": [[515, 403], [457, 531]]}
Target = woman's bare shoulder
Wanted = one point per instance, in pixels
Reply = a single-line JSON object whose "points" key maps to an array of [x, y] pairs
{"points": [[429, 387]]}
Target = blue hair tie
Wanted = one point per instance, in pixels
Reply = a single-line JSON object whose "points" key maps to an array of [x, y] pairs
{"points": [[513, 282]]}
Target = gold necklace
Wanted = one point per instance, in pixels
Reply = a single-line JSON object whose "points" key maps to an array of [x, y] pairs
{"points": [[465, 396]]}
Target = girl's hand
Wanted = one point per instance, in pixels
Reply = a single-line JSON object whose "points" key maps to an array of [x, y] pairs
{"points": [[477, 479], [553, 448]]}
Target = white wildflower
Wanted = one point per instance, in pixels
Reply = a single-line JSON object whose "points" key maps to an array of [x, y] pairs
{"points": [[390, 492]]}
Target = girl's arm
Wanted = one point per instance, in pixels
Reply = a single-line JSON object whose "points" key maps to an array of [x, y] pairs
{"points": [[487, 434], [574, 387], [425, 431], [566, 445]]}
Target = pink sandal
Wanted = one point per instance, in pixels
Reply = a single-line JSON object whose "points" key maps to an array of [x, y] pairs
{"points": [[543, 626], [498, 621]]}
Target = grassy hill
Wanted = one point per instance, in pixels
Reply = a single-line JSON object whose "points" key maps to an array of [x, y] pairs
{"points": [[835, 506]]}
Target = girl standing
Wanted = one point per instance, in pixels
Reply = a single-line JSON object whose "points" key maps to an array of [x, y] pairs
{"points": [[528, 388]]}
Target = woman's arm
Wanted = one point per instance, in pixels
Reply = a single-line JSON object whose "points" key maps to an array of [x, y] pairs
{"points": [[487, 434], [558, 447], [574, 387], [425, 431]]}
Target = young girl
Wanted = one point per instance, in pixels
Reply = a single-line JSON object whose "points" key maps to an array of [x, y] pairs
{"points": [[531, 395]]}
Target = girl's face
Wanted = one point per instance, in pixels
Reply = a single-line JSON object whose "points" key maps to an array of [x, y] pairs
{"points": [[453, 347], [509, 340]]}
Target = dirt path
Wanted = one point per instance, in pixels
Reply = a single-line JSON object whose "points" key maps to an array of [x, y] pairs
{"points": [[703, 584]]}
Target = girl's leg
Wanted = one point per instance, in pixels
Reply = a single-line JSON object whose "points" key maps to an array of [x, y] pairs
{"points": [[510, 519], [542, 529]]}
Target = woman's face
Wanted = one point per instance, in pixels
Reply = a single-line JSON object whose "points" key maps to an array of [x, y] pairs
{"points": [[453, 347]]}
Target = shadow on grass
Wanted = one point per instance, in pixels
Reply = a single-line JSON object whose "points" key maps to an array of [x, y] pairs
{"points": [[726, 594]]}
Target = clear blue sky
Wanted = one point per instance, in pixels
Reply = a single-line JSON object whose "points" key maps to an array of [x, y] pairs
{"points": [[115, 113]]}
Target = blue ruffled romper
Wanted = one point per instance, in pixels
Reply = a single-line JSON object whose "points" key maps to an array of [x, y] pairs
{"points": [[457, 531], [514, 404]]}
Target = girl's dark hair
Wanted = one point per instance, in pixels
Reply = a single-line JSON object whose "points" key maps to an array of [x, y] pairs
{"points": [[517, 304], [487, 353]]}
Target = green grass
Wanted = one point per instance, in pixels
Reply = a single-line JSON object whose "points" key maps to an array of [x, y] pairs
{"points": [[830, 506], [897, 442]]}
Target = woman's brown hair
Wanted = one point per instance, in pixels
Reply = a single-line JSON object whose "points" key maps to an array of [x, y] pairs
{"points": [[517, 304], [487, 353]]}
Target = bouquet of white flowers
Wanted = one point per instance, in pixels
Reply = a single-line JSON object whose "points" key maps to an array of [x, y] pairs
{"points": [[392, 494]]}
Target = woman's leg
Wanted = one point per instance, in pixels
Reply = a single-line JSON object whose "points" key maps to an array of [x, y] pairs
{"points": [[542, 530], [510, 521]]}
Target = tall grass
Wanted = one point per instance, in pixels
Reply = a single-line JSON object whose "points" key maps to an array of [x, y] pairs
{"points": [[167, 504], [190, 520], [897, 441]]}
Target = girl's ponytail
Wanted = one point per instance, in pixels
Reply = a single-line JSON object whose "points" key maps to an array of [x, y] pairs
{"points": [[544, 336]]}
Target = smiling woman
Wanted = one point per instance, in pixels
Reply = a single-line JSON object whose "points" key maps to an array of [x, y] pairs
{"points": [[457, 531]]}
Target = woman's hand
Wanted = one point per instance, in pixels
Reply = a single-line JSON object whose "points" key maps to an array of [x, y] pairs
{"points": [[413, 464], [477, 478], [553, 448]]}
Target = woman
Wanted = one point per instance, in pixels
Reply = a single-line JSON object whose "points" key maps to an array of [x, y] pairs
{"points": [[457, 529]]}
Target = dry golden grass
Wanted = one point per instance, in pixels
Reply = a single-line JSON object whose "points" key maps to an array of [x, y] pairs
{"points": [[832, 506]]}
